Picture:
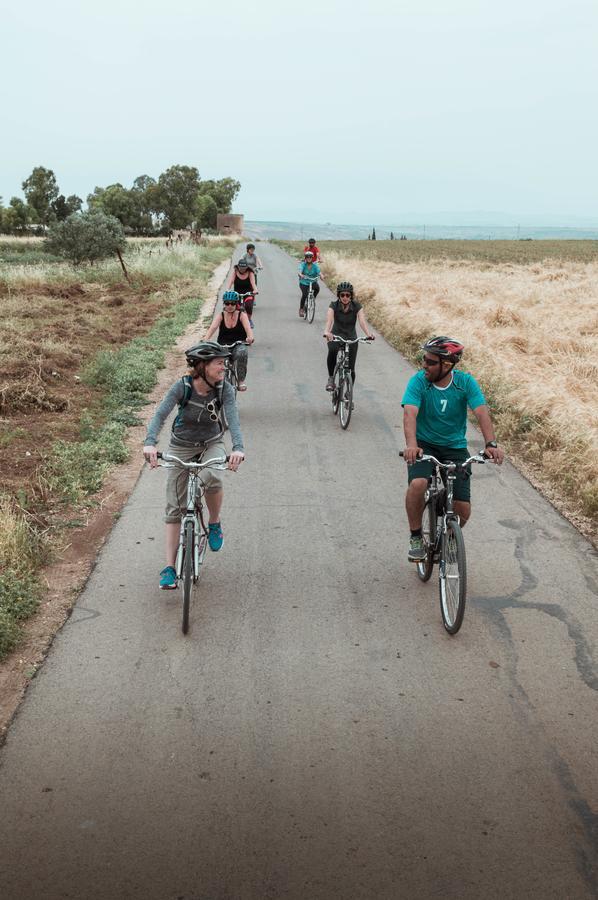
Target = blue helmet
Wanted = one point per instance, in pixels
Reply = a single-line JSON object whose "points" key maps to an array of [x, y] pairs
{"points": [[230, 297]]}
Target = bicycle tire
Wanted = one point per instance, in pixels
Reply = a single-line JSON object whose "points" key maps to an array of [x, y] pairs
{"points": [[311, 308], [336, 392], [187, 574], [424, 568], [346, 401], [452, 581]]}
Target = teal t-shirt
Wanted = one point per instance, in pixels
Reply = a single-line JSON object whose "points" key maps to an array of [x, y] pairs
{"points": [[442, 412], [308, 273]]}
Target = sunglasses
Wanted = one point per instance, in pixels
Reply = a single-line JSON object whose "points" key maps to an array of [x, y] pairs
{"points": [[211, 408], [426, 361], [230, 302], [345, 295]]}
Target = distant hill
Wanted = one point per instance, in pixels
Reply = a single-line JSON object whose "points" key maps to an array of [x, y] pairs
{"points": [[295, 231]]}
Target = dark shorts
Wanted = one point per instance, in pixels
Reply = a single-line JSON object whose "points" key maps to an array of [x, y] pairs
{"points": [[462, 489]]}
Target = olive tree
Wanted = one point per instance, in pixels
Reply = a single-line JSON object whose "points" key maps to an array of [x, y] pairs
{"points": [[86, 237]]}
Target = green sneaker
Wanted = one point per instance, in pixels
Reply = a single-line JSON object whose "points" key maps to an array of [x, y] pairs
{"points": [[417, 549], [215, 536], [167, 579]]}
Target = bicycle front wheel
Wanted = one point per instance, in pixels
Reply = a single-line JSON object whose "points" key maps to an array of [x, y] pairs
{"points": [[346, 401], [336, 392], [453, 577], [187, 574], [311, 308], [424, 568]]}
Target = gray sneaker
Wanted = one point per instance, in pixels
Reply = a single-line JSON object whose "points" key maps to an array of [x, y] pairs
{"points": [[330, 384], [417, 549]]}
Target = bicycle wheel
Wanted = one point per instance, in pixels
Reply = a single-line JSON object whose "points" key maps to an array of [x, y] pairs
{"points": [[424, 568], [453, 577], [187, 574], [346, 401], [311, 308], [336, 393]]}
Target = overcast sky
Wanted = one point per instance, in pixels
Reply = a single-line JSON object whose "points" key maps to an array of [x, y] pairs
{"points": [[322, 113]]}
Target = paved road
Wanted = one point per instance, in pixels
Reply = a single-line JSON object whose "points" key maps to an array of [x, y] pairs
{"points": [[317, 734]]}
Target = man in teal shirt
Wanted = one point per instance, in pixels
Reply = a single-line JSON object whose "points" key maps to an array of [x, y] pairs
{"points": [[435, 407]]}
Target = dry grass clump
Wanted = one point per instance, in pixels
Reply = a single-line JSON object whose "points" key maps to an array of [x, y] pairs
{"points": [[530, 334]]}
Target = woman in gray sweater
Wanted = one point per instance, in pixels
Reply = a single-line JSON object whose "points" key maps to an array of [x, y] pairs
{"points": [[207, 406]]}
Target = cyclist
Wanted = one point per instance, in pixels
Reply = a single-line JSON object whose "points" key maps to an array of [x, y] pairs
{"points": [[309, 272], [233, 325], [252, 259], [435, 406], [242, 280], [341, 317], [207, 406], [311, 245]]}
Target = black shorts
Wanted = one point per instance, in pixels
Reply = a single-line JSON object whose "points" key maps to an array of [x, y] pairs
{"points": [[421, 469]]}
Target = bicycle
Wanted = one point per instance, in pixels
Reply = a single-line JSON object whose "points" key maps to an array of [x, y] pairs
{"points": [[230, 367], [193, 540], [342, 392], [248, 302], [443, 539], [310, 302]]}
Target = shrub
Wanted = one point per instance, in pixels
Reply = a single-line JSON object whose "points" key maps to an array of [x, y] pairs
{"points": [[86, 237]]}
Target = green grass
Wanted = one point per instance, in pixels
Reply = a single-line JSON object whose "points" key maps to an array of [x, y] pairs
{"points": [[480, 252]]}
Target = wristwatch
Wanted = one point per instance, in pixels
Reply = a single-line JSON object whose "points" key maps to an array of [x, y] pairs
{"points": [[492, 444]]}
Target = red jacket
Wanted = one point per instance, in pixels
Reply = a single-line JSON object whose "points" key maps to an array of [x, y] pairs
{"points": [[315, 250]]}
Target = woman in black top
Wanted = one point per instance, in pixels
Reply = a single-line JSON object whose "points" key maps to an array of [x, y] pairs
{"points": [[341, 318], [242, 280], [233, 325]]}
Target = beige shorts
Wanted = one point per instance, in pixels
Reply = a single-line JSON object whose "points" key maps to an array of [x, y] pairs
{"points": [[176, 485]]}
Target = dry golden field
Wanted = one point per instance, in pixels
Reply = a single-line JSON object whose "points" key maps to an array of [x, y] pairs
{"points": [[530, 330]]}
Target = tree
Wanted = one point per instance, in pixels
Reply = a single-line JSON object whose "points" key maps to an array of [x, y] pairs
{"points": [[17, 216], [87, 236], [63, 207], [392, 237], [41, 190], [374, 233], [175, 195], [224, 192], [206, 211], [144, 192], [115, 200]]}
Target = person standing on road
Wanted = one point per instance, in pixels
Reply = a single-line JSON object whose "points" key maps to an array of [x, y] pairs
{"points": [[207, 406], [233, 325], [435, 406], [341, 319], [309, 272]]}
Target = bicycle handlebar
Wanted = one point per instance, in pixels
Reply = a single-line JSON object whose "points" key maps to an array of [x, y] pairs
{"points": [[247, 294], [359, 340], [451, 466], [218, 463]]}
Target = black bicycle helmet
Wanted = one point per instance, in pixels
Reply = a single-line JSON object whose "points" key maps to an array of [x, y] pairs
{"points": [[242, 264], [205, 351], [444, 346], [311, 241], [250, 247], [344, 286]]}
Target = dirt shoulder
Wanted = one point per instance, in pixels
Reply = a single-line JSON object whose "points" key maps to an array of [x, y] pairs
{"points": [[66, 578]]}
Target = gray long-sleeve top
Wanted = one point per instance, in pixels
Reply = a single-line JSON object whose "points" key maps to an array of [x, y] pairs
{"points": [[193, 425]]}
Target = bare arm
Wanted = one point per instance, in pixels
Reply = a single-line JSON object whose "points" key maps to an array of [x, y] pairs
{"points": [[252, 281], [213, 327], [245, 322], [329, 323], [411, 451], [364, 325], [482, 414]]}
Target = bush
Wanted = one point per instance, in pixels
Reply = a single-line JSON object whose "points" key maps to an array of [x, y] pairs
{"points": [[86, 237]]}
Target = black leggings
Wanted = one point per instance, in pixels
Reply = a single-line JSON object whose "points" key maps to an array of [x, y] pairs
{"points": [[304, 292], [333, 348]]}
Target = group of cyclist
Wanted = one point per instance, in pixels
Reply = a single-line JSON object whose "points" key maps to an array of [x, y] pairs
{"points": [[435, 405]]}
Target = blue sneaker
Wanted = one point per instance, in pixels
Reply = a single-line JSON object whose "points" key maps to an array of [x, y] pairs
{"points": [[168, 579], [215, 536]]}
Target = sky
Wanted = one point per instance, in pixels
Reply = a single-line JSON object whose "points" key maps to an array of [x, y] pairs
{"points": [[387, 112]]}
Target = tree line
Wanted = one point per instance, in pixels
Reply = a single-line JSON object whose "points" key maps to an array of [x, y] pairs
{"points": [[178, 198]]}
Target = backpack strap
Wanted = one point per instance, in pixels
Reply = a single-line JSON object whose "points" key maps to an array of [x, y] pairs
{"points": [[187, 391]]}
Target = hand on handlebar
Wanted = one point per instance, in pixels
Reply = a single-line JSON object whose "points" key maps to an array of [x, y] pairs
{"points": [[151, 455], [235, 460], [328, 335], [496, 454], [410, 454]]}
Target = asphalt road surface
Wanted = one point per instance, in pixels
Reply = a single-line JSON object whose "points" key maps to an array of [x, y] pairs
{"points": [[317, 734]]}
